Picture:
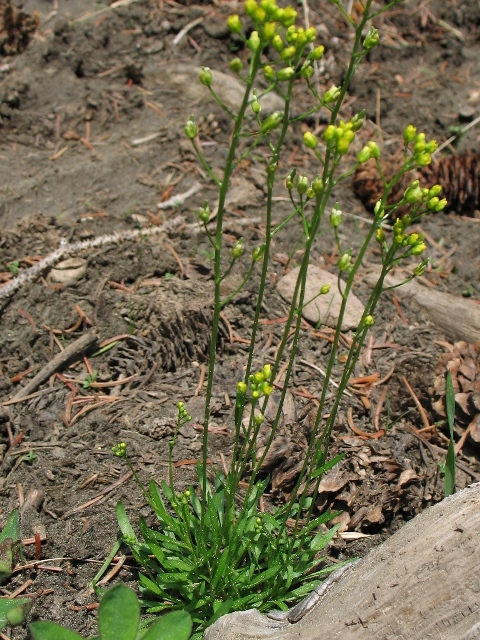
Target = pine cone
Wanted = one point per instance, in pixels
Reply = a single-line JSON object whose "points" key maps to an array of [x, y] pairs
{"points": [[16, 28], [369, 187], [459, 176], [463, 362], [460, 179]]}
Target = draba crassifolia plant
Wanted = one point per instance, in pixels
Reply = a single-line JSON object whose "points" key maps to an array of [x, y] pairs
{"points": [[213, 550]]}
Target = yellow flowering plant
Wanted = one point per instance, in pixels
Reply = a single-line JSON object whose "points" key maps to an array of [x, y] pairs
{"points": [[213, 551]]}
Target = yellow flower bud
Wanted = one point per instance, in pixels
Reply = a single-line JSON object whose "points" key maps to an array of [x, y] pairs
{"points": [[285, 74], [418, 249], [409, 133], [236, 65], [269, 29], [317, 53], [277, 43], [329, 133], [309, 140], [234, 23], [253, 42]]}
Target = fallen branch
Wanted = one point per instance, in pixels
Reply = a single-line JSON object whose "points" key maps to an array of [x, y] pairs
{"points": [[458, 317], [71, 249], [60, 360]]}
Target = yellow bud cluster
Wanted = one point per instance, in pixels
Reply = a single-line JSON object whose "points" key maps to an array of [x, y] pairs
{"points": [[414, 241], [340, 137], [260, 383], [422, 148], [267, 12]]}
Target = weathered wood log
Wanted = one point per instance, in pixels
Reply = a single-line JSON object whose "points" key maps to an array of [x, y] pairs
{"points": [[423, 582], [458, 318]]}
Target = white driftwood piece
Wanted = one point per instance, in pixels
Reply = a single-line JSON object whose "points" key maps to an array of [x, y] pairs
{"points": [[423, 582], [458, 318]]}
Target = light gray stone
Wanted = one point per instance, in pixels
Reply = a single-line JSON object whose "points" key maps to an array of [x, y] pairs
{"points": [[325, 309], [184, 79]]}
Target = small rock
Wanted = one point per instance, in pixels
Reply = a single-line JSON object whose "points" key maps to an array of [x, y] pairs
{"points": [[466, 113], [326, 308], [68, 271], [216, 28], [184, 79]]}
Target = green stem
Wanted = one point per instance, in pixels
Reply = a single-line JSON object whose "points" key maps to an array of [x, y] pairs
{"points": [[217, 308]]}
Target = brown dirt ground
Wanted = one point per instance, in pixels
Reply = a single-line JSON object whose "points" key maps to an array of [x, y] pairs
{"points": [[102, 74]]}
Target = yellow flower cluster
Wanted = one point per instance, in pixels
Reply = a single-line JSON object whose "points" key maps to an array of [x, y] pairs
{"points": [[341, 137], [422, 149], [414, 241]]}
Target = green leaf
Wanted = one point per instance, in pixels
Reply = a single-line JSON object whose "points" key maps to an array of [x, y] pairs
{"points": [[159, 506], [7, 558], [45, 630], [176, 625], [195, 502], [322, 539], [13, 611], [327, 466], [11, 528], [225, 607], [449, 469], [9, 537], [265, 575], [150, 585], [221, 569], [124, 523], [118, 614]]}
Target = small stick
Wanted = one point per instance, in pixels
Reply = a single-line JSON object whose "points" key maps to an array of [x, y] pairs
{"points": [[322, 372], [378, 410], [177, 258], [60, 360], [186, 29], [103, 493], [462, 131], [113, 572], [385, 378], [200, 381], [461, 442], [421, 410], [399, 309], [29, 318], [29, 397], [21, 589], [179, 199], [65, 248], [229, 326]]}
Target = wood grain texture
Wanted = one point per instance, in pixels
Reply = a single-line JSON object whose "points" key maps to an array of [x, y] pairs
{"points": [[458, 318], [422, 583]]}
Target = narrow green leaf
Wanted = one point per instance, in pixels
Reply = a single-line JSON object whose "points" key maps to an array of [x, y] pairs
{"points": [[265, 575], [222, 565], [450, 459], [322, 539], [124, 523], [106, 564], [176, 625], [45, 630], [195, 502], [327, 466], [118, 614], [224, 608], [177, 563]]}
